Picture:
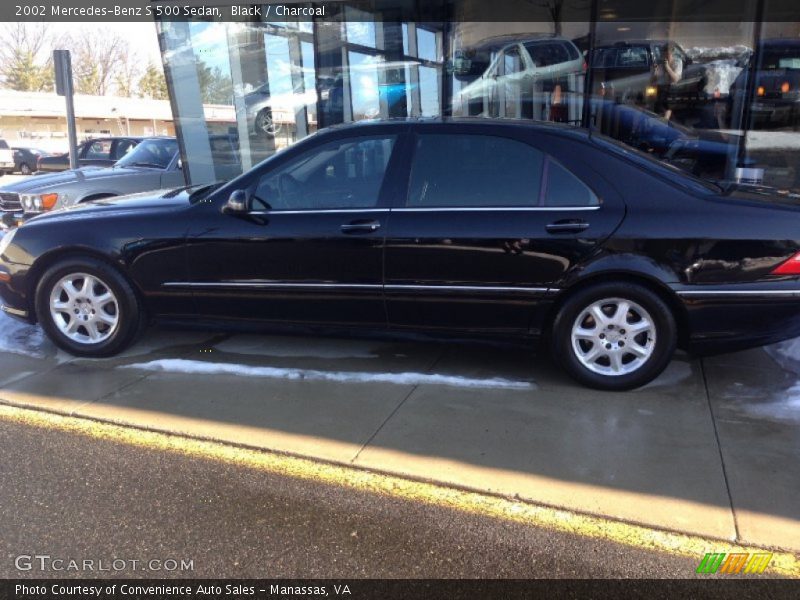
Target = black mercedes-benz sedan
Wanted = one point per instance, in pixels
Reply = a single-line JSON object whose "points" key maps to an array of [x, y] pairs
{"points": [[476, 227]]}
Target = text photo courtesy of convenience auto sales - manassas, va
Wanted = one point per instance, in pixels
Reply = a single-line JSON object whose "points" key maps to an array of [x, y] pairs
{"points": [[389, 299]]}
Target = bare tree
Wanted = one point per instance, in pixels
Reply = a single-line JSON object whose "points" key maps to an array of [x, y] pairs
{"points": [[128, 72], [26, 58], [96, 61]]}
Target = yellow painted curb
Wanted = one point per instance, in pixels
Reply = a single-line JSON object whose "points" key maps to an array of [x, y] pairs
{"points": [[783, 563]]}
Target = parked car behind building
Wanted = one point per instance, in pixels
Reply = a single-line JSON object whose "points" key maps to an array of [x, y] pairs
{"points": [[26, 160], [625, 72], [98, 152]]}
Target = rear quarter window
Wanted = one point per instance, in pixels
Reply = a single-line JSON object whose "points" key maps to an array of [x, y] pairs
{"points": [[562, 188]]}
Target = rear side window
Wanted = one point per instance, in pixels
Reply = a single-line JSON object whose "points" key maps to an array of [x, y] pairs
{"points": [[562, 188], [474, 171]]}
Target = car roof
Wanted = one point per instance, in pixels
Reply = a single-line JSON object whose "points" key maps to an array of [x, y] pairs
{"points": [[637, 42], [546, 127]]}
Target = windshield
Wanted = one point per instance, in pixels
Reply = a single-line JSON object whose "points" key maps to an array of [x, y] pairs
{"points": [[156, 154], [776, 58]]}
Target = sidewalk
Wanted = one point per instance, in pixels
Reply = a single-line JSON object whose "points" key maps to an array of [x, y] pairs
{"points": [[710, 448]]}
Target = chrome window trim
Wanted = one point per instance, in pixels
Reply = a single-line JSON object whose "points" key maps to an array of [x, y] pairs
{"points": [[428, 209], [498, 209], [315, 212]]}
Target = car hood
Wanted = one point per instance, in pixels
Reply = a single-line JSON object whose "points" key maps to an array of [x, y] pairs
{"points": [[43, 182], [121, 205]]}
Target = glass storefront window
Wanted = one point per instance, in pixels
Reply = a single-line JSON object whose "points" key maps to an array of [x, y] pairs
{"points": [[719, 99]]}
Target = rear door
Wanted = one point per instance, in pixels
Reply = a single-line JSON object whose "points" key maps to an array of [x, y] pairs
{"points": [[491, 223]]}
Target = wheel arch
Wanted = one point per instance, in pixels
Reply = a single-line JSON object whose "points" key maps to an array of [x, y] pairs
{"points": [[48, 260], [655, 285]]}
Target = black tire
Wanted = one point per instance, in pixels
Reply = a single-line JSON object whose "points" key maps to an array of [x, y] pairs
{"points": [[25, 169], [265, 125], [128, 310], [661, 350]]}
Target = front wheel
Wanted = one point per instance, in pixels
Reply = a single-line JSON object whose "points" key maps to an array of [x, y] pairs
{"points": [[87, 308], [25, 169], [614, 336]]}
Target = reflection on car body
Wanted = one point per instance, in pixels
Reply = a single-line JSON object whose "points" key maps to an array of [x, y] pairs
{"points": [[777, 85], [523, 71], [153, 164]]}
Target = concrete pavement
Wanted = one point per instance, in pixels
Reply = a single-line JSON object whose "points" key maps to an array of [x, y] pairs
{"points": [[711, 448]]}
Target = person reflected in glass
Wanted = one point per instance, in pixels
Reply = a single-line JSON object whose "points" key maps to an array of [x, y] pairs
{"points": [[667, 73]]}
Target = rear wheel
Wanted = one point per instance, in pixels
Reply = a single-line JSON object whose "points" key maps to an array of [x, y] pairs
{"points": [[614, 336], [266, 125], [87, 308]]}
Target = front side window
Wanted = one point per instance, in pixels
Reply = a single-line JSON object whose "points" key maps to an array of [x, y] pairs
{"points": [[154, 154], [99, 150], [512, 61], [474, 171], [343, 174]]}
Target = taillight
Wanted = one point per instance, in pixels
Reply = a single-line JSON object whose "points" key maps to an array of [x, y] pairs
{"points": [[760, 90], [785, 87], [789, 267]]}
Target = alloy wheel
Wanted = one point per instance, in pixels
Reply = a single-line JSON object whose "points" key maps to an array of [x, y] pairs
{"points": [[84, 308], [613, 336]]}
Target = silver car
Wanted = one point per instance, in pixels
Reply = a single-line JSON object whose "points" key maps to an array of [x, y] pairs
{"points": [[153, 164]]}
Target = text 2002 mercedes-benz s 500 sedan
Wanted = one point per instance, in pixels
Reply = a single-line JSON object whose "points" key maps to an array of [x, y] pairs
{"points": [[469, 227]]}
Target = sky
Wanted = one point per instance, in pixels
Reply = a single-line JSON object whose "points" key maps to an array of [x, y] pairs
{"points": [[141, 36]]}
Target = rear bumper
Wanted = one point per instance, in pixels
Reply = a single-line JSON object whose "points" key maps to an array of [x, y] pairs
{"points": [[735, 317]]}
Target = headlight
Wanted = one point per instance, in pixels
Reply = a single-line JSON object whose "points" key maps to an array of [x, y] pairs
{"points": [[38, 202], [5, 241]]}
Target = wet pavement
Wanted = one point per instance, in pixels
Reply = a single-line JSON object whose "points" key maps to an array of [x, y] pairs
{"points": [[710, 448]]}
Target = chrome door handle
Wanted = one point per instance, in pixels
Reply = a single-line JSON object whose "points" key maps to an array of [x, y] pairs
{"points": [[567, 226], [361, 227]]}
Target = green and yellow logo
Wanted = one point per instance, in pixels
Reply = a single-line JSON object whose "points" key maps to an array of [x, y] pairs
{"points": [[734, 564]]}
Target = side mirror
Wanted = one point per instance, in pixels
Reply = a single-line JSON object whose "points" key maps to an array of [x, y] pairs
{"points": [[237, 203]]}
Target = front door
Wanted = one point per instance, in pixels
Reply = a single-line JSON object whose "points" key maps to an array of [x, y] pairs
{"points": [[311, 250], [491, 224]]}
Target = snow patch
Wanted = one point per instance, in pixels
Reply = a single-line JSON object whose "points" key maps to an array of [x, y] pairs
{"points": [[704, 53], [786, 354], [179, 365], [20, 338], [294, 348]]}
